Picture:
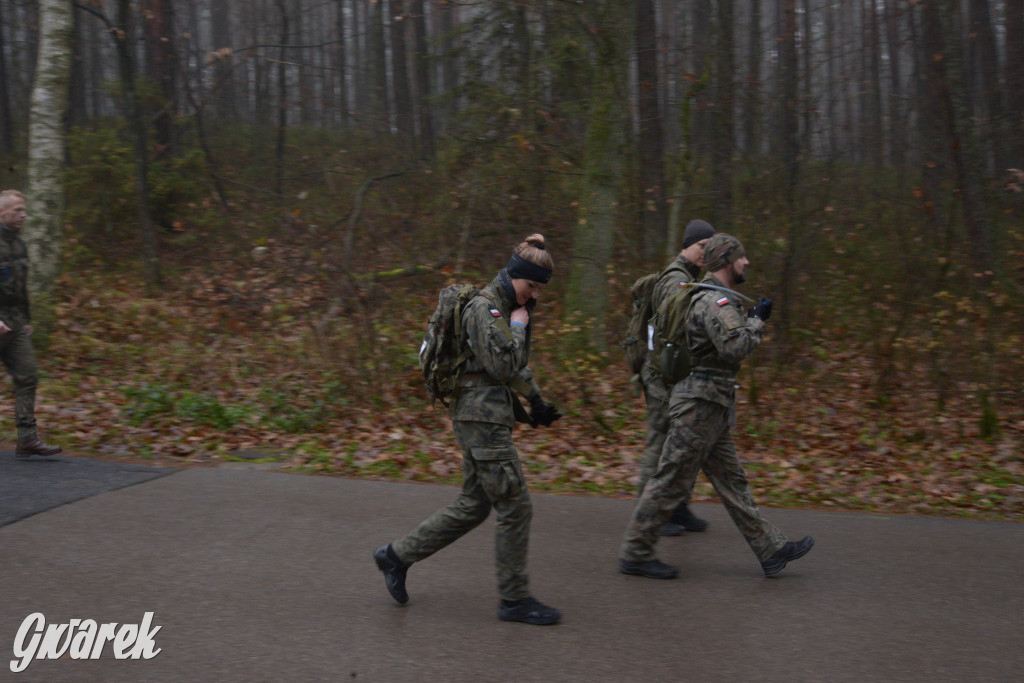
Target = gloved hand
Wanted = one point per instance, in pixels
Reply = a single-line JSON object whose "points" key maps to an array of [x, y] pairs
{"points": [[762, 309], [542, 413]]}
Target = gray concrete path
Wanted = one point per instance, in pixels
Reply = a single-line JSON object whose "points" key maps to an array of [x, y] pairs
{"points": [[261, 576]]}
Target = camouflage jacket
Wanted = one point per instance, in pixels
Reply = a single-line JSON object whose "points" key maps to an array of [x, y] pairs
{"points": [[680, 270], [500, 355], [14, 308], [721, 336]]}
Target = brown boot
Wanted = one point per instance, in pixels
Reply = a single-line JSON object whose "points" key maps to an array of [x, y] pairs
{"points": [[33, 445]]}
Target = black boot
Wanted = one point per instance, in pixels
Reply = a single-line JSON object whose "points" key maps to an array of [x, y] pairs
{"points": [[394, 572], [787, 553], [686, 519], [528, 611], [652, 569], [671, 529]]}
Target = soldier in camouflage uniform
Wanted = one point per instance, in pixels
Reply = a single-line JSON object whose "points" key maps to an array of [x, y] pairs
{"points": [[484, 411], [702, 411], [684, 268], [16, 326]]}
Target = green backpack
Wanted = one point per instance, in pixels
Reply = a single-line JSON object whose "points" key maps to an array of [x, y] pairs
{"points": [[671, 346], [635, 344], [444, 351]]}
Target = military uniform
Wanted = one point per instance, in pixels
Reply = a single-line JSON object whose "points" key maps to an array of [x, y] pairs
{"points": [[702, 412], [16, 349], [484, 411], [656, 392]]}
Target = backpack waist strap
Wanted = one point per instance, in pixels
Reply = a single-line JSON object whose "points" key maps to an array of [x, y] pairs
{"points": [[712, 377], [471, 380]]}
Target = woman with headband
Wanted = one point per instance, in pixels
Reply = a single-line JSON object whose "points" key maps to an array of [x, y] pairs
{"points": [[484, 410]]}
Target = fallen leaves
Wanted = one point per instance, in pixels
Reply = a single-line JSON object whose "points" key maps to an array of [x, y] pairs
{"points": [[228, 364]]}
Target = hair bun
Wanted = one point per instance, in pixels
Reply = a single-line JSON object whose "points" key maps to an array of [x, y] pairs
{"points": [[536, 239]]}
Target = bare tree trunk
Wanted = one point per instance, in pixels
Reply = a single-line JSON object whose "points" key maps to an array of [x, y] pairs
{"points": [[47, 145], [985, 63], [934, 161], [725, 125], [6, 124], [752, 108], [949, 113], [399, 19], [223, 77], [282, 101], [160, 66], [967, 157], [702, 121], [831, 86], [342, 65], [421, 71], [788, 125], [671, 82], [593, 235], [897, 136], [361, 103], [124, 35], [872, 123], [1014, 77], [807, 91], [78, 108], [447, 18], [377, 60], [651, 140]]}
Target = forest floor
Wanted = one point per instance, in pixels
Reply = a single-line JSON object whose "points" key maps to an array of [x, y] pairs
{"points": [[246, 361]]}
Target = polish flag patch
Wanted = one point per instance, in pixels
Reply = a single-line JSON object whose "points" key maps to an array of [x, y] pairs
{"points": [[723, 301], [495, 312]]}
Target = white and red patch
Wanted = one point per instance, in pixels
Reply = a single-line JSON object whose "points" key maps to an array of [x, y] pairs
{"points": [[495, 312], [723, 301]]}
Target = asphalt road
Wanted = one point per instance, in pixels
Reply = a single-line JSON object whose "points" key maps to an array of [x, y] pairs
{"points": [[254, 575]]}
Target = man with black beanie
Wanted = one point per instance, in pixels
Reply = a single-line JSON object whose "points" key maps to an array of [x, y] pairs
{"points": [[684, 268]]}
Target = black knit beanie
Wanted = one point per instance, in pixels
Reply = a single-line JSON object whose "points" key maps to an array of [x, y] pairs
{"points": [[697, 230]]}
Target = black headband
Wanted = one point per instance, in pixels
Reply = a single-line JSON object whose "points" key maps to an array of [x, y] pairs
{"points": [[520, 268]]}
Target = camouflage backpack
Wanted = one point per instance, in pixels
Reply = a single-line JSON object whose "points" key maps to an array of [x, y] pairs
{"points": [[635, 344], [444, 351], [671, 347]]}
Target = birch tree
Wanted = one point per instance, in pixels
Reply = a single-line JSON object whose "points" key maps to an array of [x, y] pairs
{"points": [[47, 145]]}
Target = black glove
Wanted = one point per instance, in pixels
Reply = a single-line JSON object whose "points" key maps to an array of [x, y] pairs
{"points": [[762, 309], [542, 413]]}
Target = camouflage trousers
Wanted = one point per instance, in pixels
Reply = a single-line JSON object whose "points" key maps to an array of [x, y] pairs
{"points": [[656, 395], [19, 358], [700, 438], [491, 477]]}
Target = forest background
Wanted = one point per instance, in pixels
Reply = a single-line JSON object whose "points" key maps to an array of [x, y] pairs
{"points": [[243, 210]]}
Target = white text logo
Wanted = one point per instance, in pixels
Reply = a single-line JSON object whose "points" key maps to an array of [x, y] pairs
{"points": [[81, 639]]}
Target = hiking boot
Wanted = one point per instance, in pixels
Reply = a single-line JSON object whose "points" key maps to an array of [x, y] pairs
{"points": [[791, 551], [33, 445], [394, 572], [686, 519], [528, 611], [652, 569], [671, 529]]}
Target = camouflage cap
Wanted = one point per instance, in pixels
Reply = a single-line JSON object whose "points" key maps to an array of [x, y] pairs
{"points": [[720, 251]]}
